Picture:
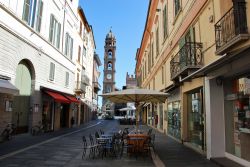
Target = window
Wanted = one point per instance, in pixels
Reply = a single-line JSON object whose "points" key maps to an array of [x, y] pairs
{"points": [[67, 79], [84, 51], [80, 32], [149, 63], [68, 46], [79, 54], [54, 31], [152, 52], [32, 13], [109, 66], [52, 72], [177, 7], [110, 54], [157, 41], [165, 22], [162, 74]]}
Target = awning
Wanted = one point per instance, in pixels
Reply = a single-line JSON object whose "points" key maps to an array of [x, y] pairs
{"points": [[7, 87], [58, 97], [72, 99]]}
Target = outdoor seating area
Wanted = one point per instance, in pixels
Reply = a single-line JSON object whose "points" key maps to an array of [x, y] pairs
{"points": [[129, 142]]}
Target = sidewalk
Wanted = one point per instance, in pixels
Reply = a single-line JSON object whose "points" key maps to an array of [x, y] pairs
{"points": [[22, 141], [175, 154]]}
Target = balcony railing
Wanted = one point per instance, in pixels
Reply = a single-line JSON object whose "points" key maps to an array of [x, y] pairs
{"points": [[80, 87], [187, 60], [85, 79], [231, 28], [97, 86]]}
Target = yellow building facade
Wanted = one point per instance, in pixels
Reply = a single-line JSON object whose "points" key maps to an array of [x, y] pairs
{"points": [[184, 45]]}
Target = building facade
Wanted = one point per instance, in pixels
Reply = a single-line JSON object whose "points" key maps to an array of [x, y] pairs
{"points": [[39, 53], [190, 50], [109, 71], [96, 85]]}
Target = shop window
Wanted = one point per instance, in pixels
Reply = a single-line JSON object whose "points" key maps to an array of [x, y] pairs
{"points": [[237, 117], [196, 119], [174, 119]]}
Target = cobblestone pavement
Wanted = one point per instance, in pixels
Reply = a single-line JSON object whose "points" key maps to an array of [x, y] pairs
{"points": [[66, 150]]}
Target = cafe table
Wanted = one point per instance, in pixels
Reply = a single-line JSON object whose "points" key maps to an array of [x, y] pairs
{"points": [[137, 140]]}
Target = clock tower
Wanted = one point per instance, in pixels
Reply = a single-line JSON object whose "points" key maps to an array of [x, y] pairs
{"points": [[109, 71]]}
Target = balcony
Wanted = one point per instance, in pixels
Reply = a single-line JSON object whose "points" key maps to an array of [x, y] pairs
{"points": [[97, 86], [231, 28], [80, 87], [85, 80], [186, 61]]}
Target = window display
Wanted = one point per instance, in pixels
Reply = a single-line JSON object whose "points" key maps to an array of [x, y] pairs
{"points": [[237, 140], [196, 119], [174, 119]]}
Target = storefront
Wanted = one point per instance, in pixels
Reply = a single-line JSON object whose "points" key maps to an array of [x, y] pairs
{"points": [[7, 92], [58, 110], [173, 114], [237, 116], [227, 107], [195, 118], [174, 119]]}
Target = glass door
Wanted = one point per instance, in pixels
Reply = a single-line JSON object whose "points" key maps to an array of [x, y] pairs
{"points": [[196, 119]]}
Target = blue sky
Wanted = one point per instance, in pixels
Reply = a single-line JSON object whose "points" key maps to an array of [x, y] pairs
{"points": [[127, 18]]}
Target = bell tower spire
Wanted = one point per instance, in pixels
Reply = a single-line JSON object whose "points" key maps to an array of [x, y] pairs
{"points": [[109, 70]]}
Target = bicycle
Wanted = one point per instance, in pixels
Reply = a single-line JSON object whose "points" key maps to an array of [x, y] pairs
{"points": [[8, 132], [37, 129]]}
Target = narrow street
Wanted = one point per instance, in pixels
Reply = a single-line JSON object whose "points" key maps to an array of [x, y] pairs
{"points": [[66, 150]]}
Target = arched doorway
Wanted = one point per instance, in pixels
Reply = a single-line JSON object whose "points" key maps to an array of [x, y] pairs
{"points": [[23, 82]]}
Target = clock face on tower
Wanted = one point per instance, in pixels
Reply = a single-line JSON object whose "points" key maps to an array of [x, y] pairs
{"points": [[109, 76]]}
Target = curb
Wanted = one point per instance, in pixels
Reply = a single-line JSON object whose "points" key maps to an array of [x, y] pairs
{"points": [[156, 159]]}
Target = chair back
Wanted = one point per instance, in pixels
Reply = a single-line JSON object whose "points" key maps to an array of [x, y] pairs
{"points": [[152, 138], [91, 140], [84, 141], [150, 132]]}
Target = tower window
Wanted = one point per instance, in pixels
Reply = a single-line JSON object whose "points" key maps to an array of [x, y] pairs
{"points": [[110, 54], [109, 66]]}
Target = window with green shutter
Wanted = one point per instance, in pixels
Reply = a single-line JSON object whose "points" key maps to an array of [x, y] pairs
{"points": [[165, 22], [177, 6], [68, 50], [157, 41]]}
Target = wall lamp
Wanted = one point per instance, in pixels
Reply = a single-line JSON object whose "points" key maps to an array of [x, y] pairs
{"points": [[158, 10], [219, 81]]}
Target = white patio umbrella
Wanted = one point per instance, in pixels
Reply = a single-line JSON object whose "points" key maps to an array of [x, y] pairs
{"points": [[136, 95], [127, 108]]}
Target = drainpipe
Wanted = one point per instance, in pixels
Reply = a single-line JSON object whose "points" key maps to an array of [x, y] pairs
{"points": [[64, 11]]}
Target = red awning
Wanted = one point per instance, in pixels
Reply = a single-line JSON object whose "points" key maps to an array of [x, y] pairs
{"points": [[58, 97], [72, 99]]}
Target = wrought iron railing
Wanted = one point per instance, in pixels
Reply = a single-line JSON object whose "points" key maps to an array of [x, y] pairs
{"points": [[233, 23], [97, 85], [189, 56]]}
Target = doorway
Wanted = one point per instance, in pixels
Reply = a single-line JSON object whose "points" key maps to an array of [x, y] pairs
{"points": [[20, 116], [64, 116]]}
